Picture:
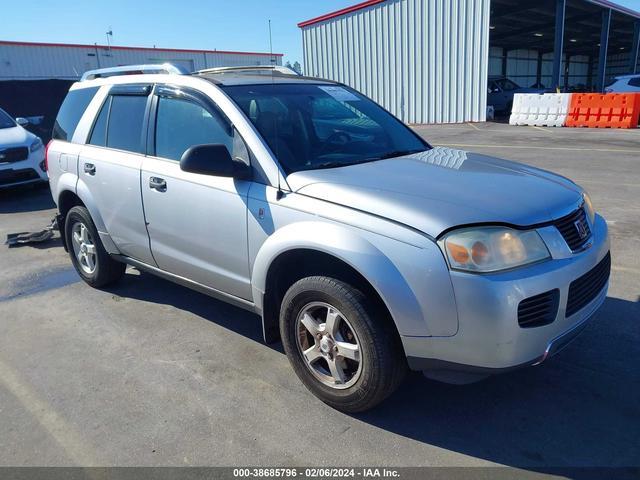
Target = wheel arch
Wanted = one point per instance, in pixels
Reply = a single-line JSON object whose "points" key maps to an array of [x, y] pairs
{"points": [[298, 250]]}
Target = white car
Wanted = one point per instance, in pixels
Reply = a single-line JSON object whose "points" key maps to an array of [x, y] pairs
{"points": [[625, 84], [21, 153]]}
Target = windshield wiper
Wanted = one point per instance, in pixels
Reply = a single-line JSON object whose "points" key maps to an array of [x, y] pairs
{"points": [[331, 164], [399, 153]]}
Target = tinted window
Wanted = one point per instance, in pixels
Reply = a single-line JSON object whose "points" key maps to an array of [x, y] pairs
{"points": [[71, 111], [125, 122], [322, 126], [634, 82], [99, 133], [5, 120], [180, 124]]}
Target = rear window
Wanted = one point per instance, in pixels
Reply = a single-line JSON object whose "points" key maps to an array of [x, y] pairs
{"points": [[125, 122], [71, 111]]}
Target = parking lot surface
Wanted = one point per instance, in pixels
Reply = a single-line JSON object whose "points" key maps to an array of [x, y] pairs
{"points": [[151, 373]]}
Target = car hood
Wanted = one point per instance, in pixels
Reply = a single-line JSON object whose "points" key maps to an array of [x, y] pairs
{"points": [[15, 137], [441, 188]]}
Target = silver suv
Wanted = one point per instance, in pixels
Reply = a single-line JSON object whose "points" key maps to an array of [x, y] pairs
{"points": [[364, 249]]}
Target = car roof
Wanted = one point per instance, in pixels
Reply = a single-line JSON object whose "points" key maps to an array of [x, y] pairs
{"points": [[258, 77]]}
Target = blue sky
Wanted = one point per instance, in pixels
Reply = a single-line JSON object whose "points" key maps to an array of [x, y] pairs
{"points": [[199, 24]]}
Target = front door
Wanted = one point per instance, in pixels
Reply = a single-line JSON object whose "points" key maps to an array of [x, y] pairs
{"points": [[197, 223]]}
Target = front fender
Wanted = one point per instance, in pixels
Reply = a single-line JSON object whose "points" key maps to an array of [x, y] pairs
{"points": [[361, 250]]}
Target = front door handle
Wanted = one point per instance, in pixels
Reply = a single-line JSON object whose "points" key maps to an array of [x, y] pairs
{"points": [[90, 168], [157, 183]]}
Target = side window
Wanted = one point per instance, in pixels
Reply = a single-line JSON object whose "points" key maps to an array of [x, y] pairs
{"points": [[70, 113], [126, 117], [99, 134], [181, 124], [634, 82]]}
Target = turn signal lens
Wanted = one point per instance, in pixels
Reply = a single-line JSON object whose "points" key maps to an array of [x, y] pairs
{"points": [[492, 249], [459, 253]]}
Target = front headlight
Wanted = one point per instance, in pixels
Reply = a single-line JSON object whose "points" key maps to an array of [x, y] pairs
{"points": [[588, 207], [490, 249], [36, 145]]}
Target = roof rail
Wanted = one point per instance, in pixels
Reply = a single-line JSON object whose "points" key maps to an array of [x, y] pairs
{"points": [[272, 68], [133, 70]]}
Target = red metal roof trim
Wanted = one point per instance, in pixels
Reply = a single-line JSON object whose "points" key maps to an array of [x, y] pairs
{"points": [[338, 13], [115, 47], [369, 3]]}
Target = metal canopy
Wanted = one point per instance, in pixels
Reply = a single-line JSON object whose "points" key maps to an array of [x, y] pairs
{"points": [[531, 25]]}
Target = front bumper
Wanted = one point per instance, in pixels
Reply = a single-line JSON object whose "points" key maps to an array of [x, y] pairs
{"points": [[23, 172], [489, 339]]}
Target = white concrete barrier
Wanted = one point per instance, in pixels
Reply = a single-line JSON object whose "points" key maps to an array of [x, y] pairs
{"points": [[547, 110]]}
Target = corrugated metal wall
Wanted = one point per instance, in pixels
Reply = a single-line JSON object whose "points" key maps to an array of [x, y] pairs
{"points": [[25, 62], [426, 61]]}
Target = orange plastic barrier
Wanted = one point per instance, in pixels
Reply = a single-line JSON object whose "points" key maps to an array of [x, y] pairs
{"points": [[612, 110]]}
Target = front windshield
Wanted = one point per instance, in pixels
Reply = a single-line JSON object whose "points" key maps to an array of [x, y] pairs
{"points": [[5, 120], [311, 126]]}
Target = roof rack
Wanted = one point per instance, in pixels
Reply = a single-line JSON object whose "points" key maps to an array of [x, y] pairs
{"points": [[251, 68], [133, 70]]}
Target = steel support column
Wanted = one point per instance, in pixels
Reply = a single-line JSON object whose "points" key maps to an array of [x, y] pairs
{"points": [[604, 45], [558, 43], [539, 69], [633, 59]]}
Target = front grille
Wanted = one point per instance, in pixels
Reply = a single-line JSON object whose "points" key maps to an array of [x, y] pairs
{"points": [[8, 177], [539, 310], [15, 154], [575, 236], [584, 289]]}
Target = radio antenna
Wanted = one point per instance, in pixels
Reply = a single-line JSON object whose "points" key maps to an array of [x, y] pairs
{"points": [[279, 193]]}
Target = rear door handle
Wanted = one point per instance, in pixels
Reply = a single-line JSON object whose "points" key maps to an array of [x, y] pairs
{"points": [[90, 168], [157, 183]]}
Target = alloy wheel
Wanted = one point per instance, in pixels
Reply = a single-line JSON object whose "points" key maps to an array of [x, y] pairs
{"points": [[329, 345]]}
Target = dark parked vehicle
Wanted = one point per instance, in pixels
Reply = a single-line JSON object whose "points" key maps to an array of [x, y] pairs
{"points": [[501, 91]]}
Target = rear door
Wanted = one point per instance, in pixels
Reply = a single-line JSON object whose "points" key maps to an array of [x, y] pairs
{"points": [[197, 223], [110, 165]]}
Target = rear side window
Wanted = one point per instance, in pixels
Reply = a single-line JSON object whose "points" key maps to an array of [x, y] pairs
{"points": [[99, 133], [126, 117], [71, 111], [634, 82]]}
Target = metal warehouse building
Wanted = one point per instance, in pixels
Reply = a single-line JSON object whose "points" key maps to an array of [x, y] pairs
{"points": [[35, 61], [428, 61]]}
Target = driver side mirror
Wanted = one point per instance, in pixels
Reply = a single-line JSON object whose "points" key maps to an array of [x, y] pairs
{"points": [[22, 121], [213, 159]]}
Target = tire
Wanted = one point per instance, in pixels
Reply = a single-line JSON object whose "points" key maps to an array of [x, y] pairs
{"points": [[92, 262], [359, 332]]}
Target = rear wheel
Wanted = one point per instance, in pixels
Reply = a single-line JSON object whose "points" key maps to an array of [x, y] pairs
{"points": [[90, 259], [342, 349]]}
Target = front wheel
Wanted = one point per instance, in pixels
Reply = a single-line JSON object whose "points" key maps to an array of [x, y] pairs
{"points": [[342, 349]]}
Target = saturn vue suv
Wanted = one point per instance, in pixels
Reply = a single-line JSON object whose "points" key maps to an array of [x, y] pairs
{"points": [[365, 250]]}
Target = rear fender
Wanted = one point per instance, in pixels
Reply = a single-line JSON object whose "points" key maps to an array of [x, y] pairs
{"points": [[85, 195]]}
